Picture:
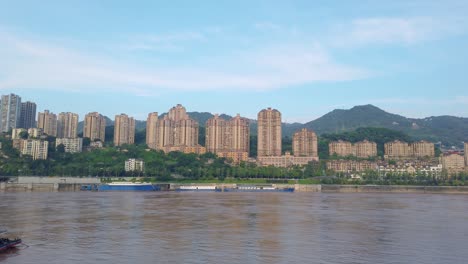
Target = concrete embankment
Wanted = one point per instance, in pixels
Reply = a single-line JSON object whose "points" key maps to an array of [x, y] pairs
{"points": [[71, 184], [394, 189]]}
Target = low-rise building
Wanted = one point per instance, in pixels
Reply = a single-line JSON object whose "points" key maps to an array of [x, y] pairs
{"points": [[134, 165], [16, 132], [351, 165], [35, 132], [96, 144], [286, 160], [433, 170], [72, 145], [235, 156], [185, 149], [38, 149]]}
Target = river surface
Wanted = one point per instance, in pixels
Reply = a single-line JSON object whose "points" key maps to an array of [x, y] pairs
{"points": [[133, 227]]}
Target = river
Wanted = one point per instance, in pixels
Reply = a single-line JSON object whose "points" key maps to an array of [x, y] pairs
{"points": [[170, 227]]}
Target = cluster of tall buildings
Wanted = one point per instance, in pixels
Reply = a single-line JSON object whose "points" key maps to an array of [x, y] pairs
{"points": [[228, 138], [175, 131], [15, 114], [269, 144]]}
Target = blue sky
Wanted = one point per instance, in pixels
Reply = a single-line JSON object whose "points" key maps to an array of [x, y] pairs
{"points": [[304, 58]]}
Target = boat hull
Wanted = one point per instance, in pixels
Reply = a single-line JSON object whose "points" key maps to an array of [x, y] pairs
{"points": [[11, 244], [258, 190], [128, 188]]}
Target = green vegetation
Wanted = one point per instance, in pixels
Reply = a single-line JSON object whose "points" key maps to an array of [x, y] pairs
{"points": [[109, 162]]}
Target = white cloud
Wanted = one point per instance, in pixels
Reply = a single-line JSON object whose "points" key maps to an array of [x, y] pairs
{"points": [[396, 30], [30, 63]]}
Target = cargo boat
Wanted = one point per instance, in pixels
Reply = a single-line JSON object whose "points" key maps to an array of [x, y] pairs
{"points": [[127, 186], [254, 188], [197, 188]]}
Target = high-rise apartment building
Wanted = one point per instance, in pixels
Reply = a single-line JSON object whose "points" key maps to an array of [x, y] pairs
{"points": [[340, 148], [216, 135], [10, 112], [400, 150], [177, 132], [397, 149], [239, 134], [228, 139], [453, 163], [47, 121], [124, 130], [28, 115], [94, 127], [305, 143], [67, 125], [269, 133], [152, 130], [365, 149], [423, 149]]}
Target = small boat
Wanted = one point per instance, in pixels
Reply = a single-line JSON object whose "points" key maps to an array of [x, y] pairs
{"points": [[197, 188], [255, 188], [6, 243], [127, 186]]}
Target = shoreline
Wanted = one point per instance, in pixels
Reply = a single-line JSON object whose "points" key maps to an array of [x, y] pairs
{"points": [[75, 187]]}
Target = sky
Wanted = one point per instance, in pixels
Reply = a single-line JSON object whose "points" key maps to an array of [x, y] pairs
{"points": [[304, 58]]}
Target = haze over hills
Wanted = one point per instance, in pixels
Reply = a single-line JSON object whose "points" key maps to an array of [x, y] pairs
{"points": [[449, 130]]}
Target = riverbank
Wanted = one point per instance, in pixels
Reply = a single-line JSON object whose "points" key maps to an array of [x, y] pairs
{"points": [[75, 186]]}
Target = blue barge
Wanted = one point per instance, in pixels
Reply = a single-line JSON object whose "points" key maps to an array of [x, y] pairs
{"points": [[124, 186]]}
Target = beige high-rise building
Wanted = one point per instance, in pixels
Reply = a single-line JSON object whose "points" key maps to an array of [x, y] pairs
{"points": [[340, 148], [365, 149], [177, 131], [239, 134], [152, 130], [67, 125], [269, 133], [94, 127], [124, 130], [401, 150], [305, 143], [216, 134], [423, 149], [397, 149], [47, 121], [453, 162], [228, 139], [466, 154]]}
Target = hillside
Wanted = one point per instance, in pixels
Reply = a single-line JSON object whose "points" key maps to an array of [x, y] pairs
{"points": [[449, 130]]}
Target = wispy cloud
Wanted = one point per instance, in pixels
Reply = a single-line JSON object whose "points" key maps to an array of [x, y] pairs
{"points": [[396, 30], [28, 63]]}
